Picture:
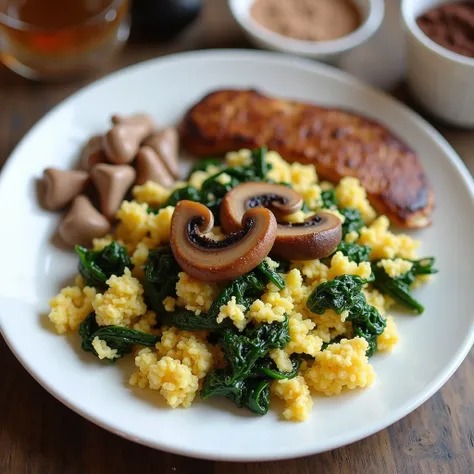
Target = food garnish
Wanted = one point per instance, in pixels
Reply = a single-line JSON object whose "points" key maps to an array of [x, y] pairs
{"points": [[210, 260]]}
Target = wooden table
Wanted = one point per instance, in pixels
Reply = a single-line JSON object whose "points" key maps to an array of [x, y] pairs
{"points": [[38, 435]]}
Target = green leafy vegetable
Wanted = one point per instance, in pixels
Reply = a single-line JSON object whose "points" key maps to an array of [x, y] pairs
{"points": [[353, 220], [256, 395], [161, 275], [189, 193], [340, 294], [117, 337], [355, 252], [268, 368], [344, 294], [239, 381], [399, 288], [367, 323], [329, 199], [203, 165], [272, 274], [97, 266]]}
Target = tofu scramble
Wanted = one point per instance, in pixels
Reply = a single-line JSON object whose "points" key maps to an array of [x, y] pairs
{"points": [[286, 319]]}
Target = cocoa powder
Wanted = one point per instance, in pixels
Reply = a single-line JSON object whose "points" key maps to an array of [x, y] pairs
{"points": [[310, 20], [451, 26]]}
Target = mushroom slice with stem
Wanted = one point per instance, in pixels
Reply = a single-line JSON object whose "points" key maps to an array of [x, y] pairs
{"points": [[281, 200], [317, 237], [210, 260]]}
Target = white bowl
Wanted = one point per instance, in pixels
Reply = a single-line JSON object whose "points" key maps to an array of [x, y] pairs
{"points": [[440, 80], [372, 12]]}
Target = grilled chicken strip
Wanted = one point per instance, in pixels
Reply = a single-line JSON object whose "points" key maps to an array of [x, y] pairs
{"points": [[339, 143]]}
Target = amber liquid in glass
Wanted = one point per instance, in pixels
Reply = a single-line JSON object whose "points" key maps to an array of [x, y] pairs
{"points": [[59, 36]]}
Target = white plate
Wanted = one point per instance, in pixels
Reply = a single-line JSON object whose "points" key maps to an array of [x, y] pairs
{"points": [[431, 347]]}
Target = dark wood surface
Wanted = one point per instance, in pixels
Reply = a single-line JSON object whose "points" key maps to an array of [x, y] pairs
{"points": [[38, 435]]}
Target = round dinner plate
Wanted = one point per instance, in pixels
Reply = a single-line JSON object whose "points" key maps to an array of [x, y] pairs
{"points": [[431, 346]]}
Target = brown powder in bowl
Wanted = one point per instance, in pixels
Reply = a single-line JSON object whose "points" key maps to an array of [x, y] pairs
{"points": [[310, 20], [451, 26]]}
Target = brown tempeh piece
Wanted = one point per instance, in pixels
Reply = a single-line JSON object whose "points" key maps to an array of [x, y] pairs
{"points": [[338, 142]]}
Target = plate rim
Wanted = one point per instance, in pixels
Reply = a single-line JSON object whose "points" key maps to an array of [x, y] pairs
{"points": [[454, 159]]}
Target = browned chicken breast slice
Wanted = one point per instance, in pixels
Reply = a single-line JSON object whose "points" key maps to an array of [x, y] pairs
{"points": [[339, 143]]}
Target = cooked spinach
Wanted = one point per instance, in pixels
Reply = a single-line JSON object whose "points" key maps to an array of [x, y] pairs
{"points": [[329, 199], [353, 220], [424, 266], [399, 288], [344, 294], [272, 274], [336, 340], [367, 323], [161, 275], [212, 190], [97, 266], [203, 165], [256, 395], [119, 338], [189, 193], [340, 294], [268, 368], [239, 381], [354, 252]]}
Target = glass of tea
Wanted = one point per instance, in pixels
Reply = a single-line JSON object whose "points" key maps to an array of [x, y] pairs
{"points": [[61, 39]]}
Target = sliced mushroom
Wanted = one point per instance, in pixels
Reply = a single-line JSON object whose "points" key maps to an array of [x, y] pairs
{"points": [[150, 168], [280, 199], [112, 183], [166, 144], [92, 153], [82, 223], [60, 187], [122, 141], [211, 260], [317, 237]]}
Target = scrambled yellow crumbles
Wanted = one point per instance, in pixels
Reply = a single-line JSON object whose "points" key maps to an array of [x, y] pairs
{"points": [[341, 365], [177, 365], [295, 393], [121, 303], [71, 306]]}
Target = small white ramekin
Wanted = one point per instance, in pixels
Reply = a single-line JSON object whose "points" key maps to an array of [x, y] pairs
{"points": [[440, 80], [330, 51]]}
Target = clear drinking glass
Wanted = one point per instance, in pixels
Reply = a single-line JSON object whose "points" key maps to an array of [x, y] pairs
{"points": [[61, 39]]}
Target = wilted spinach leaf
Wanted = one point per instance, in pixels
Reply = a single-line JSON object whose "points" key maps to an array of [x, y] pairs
{"points": [[203, 165], [189, 193], [97, 266], [339, 294], [353, 220], [161, 275], [344, 294], [329, 199], [272, 274], [239, 381], [117, 337], [399, 288], [354, 252]]}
